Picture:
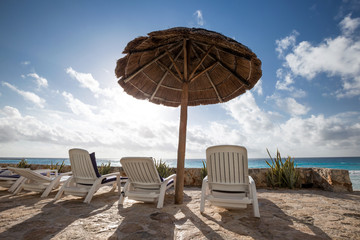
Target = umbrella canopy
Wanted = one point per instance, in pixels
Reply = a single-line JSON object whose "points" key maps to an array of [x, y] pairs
{"points": [[186, 67]]}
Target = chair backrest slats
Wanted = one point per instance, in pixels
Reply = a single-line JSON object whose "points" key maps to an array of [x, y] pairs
{"points": [[81, 166], [140, 169], [227, 164], [227, 176]]}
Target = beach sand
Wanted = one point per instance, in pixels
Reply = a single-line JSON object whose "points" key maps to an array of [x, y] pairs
{"points": [[285, 214]]}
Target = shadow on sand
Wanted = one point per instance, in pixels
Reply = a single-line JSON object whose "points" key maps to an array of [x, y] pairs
{"points": [[185, 222], [273, 224], [170, 222], [52, 218], [105, 219]]}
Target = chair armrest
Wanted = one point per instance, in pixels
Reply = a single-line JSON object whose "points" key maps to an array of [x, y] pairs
{"points": [[205, 181], [110, 174], [66, 174], [123, 179], [47, 171], [251, 180], [42, 170], [173, 176], [117, 174]]}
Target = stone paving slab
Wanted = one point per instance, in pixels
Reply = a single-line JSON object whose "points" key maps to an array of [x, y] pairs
{"points": [[285, 214]]}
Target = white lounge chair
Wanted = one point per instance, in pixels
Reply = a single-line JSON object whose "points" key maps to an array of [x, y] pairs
{"points": [[228, 183], [144, 183], [86, 179], [9, 180], [43, 180]]}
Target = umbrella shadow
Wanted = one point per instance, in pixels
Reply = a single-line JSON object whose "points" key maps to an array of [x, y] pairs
{"points": [[273, 224], [145, 221], [52, 217]]}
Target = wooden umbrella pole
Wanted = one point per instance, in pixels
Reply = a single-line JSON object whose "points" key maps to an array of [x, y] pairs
{"points": [[179, 187]]}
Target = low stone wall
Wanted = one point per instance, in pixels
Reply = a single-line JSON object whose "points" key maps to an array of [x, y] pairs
{"points": [[334, 180]]}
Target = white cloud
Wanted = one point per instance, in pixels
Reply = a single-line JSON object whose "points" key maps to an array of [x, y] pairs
{"points": [[351, 87], [349, 25], [337, 135], [291, 106], [78, 107], [10, 112], [15, 127], [285, 43], [215, 133], [337, 56], [286, 81], [29, 96], [298, 93], [86, 79], [258, 88], [199, 17], [25, 63], [246, 112], [40, 81]]}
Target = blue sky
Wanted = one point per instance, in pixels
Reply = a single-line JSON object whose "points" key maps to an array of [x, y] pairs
{"points": [[58, 88]]}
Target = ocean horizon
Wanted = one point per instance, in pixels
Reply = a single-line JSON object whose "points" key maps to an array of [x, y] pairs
{"points": [[352, 164]]}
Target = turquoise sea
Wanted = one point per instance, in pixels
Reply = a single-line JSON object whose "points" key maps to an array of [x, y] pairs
{"points": [[349, 163]]}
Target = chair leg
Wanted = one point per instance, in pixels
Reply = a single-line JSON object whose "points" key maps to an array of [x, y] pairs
{"points": [[115, 184], [119, 184], [54, 183], [203, 195], [256, 208], [61, 190], [47, 190], [122, 193], [21, 186], [16, 184], [91, 193], [161, 196], [255, 202]]}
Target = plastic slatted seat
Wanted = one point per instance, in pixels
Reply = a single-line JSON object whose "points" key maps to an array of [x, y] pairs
{"points": [[228, 183], [43, 180], [144, 183], [86, 179]]}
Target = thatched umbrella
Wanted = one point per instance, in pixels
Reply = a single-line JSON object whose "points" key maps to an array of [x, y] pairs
{"points": [[186, 67]]}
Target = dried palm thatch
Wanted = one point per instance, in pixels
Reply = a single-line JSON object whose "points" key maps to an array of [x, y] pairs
{"points": [[216, 68]]}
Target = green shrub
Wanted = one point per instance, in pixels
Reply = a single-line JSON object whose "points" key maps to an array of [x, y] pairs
{"points": [[59, 168], [104, 168], [23, 164], [163, 169], [282, 174], [203, 170]]}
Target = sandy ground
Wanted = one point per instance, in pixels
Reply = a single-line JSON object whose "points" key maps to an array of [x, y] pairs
{"points": [[285, 214]]}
